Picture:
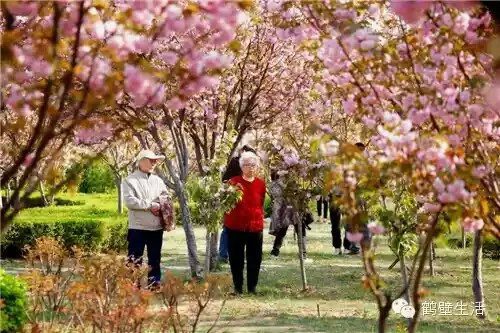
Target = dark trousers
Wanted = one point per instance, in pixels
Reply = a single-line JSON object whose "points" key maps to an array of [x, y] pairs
{"points": [[278, 240], [137, 240], [336, 234], [322, 207], [223, 244], [237, 242]]}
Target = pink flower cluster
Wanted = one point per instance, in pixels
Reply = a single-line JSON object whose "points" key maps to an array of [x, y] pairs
{"points": [[413, 10], [451, 193], [142, 88], [93, 134], [472, 225]]}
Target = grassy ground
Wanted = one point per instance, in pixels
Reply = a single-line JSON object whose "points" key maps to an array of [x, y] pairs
{"points": [[335, 281]]}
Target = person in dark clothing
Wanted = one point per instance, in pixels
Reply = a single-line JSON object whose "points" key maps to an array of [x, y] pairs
{"points": [[322, 207], [307, 219], [335, 218], [233, 169]]}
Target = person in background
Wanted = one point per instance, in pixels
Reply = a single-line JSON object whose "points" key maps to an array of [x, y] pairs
{"points": [[244, 224], [322, 207], [282, 217], [233, 169], [335, 219], [142, 190], [354, 248]]}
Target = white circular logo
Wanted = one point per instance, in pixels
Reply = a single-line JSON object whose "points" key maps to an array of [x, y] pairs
{"points": [[408, 311], [398, 304]]}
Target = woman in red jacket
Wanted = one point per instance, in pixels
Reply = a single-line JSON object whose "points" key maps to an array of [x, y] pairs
{"points": [[245, 223]]}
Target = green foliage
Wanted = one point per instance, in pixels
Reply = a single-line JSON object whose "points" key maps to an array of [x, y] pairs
{"points": [[115, 238], [395, 208], [268, 207], [102, 227], [98, 178], [209, 197], [86, 234], [13, 304], [491, 247]]}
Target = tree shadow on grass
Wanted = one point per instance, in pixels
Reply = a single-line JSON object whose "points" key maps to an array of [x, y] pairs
{"points": [[367, 325]]}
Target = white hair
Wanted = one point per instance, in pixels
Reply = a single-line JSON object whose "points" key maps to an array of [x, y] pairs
{"points": [[247, 156]]}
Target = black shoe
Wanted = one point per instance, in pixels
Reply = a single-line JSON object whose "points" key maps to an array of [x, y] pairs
{"points": [[354, 251], [275, 252]]}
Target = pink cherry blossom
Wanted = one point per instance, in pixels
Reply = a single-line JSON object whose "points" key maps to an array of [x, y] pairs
{"points": [[22, 8], [375, 228], [329, 148], [431, 208], [480, 171], [175, 104], [472, 225], [28, 160], [408, 10], [349, 105], [354, 236]]}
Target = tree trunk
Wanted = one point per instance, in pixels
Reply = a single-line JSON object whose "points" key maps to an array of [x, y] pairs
{"points": [[119, 190], [214, 251], [7, 192], [431, 259], [404, 276], [464, 240], [207, 253], [301, 252], [477, 278], [42, 193], [405, 280], [194, 263]]}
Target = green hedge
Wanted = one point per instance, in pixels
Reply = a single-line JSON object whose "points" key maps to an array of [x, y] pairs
{"points": [[98, 178], [87, 234], [491, 247], [14, 302], [115, 239], [268, 208]]}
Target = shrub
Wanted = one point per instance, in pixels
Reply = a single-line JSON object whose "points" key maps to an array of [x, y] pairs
{"points": [[98, 178], [13, 303], [115, 239], [86, 234], [491, 247], [268, 208]]}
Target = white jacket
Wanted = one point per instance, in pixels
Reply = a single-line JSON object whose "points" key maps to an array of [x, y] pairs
{"points": [[139, 192]]}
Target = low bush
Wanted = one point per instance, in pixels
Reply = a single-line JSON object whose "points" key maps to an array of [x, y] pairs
{"points": [[37, 201], [98, 178], [115, 238], [86, 234], [89, 235], [13, 303], [491, 247]]}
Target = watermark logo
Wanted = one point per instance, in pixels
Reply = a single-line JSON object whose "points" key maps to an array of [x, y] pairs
{"points": [[401, 306]]}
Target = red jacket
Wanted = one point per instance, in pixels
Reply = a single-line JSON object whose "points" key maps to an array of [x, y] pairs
{"points": [[248, 214]]}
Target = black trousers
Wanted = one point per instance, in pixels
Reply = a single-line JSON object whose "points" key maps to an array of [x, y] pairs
{"points": [[336, 233], [278, 240], [238, 242], [137, 240], [322, 207]]}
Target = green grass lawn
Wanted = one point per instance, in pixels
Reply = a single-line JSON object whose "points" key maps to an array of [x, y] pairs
{"points": [[335, 282]]}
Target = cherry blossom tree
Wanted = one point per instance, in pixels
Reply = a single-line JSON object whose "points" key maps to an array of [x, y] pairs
{"points": [[428, 112], [65, 64]]}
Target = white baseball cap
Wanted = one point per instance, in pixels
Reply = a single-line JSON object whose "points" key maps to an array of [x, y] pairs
{"points": [[145, 153]]}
